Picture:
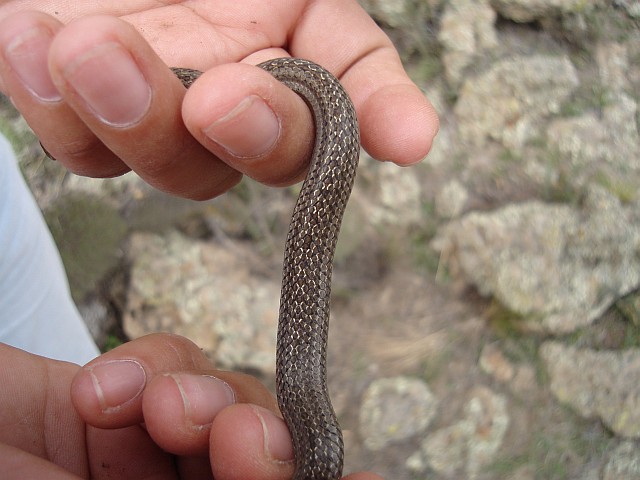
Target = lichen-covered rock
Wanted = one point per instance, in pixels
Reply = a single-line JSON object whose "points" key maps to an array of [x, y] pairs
{"points": [[624, 462], [398, 197], [451, 199], [205, 292], [395, 409], [469, 445], [558, 266], [532, 185], [603, 384], [601, 147], [507, 102], [88, 232], [466, 30], [529, 10], [394, 13]]}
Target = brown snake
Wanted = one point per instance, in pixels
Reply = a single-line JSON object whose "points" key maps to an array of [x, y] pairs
{"points": [[303, 326]]}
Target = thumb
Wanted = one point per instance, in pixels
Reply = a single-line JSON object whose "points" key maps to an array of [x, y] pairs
{"points": [[252, 122]]}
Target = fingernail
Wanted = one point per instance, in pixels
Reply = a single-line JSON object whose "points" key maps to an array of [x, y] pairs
{"points": [[46, 152], [250, 129], [117, 383], [109, 81], [27, 54], [203, 397], [277, 441]]}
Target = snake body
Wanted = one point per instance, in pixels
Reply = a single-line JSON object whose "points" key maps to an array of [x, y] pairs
{"points": [[303, 326]]}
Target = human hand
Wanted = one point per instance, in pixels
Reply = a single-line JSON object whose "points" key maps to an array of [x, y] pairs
{"points": [[198, 422], [91, 78]]}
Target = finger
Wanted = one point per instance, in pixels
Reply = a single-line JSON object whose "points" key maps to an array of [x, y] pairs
{"points": [[179, 409], [194, 467], [108, 392], [397, 121], [25, 40], [252, 122], [363, 476], [66, 11], [131, 101], [17, 464], [127, 454], [36, 414], [250, 442]]}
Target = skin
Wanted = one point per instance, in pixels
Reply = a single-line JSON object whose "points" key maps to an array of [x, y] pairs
{"points": [[91, 79], [55, 423], [160, 132]]}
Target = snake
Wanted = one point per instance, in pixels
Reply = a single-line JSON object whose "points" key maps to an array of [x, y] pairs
{"points": [[303, 323]]}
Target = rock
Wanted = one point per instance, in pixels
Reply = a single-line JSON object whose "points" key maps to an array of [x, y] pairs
{"points": [[451, 199], [395, 409], [524, 382], [508, 102], [604, 146], [591, 471], [530, 10], [624, 462], [526, 472], [398, 200], [205, 292], [407, 22], [631, 6], [613, 64], [466, 31], [544, 111], [394, 13], [121, 190], [557, 266], [471, 444], [89, 234], [97, 317], [446, 142], [518, 376], [602, 384], [494, 363]]}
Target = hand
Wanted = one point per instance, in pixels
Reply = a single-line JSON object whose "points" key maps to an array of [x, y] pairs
{"points": [[198, 422], [91, 78]]}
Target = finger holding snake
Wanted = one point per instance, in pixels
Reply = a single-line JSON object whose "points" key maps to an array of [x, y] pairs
{"points": [[146, 131], [256, 127]]}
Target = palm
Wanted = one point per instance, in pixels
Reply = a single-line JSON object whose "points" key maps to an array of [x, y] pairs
{"points": [[47, 409], [196, 33], [203, 34], [51, 429]]}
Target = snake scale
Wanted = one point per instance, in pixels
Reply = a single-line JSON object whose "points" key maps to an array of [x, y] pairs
{"points": [[303, 326]]}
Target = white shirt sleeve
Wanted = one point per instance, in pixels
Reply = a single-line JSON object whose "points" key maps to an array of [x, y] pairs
{"points": [[37, 313]]}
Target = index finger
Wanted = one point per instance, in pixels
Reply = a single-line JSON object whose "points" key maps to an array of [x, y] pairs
{"points": [[397, 121], [108, 391]]}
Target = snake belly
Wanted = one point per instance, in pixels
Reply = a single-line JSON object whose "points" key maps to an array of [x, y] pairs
{"points": [[303, 326]]}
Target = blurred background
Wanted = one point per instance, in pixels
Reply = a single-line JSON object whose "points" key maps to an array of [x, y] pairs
{"points": [[485, 315]]}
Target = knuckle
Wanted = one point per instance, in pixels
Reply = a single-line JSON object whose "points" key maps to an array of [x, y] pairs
{"points": [[87, 157]]}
